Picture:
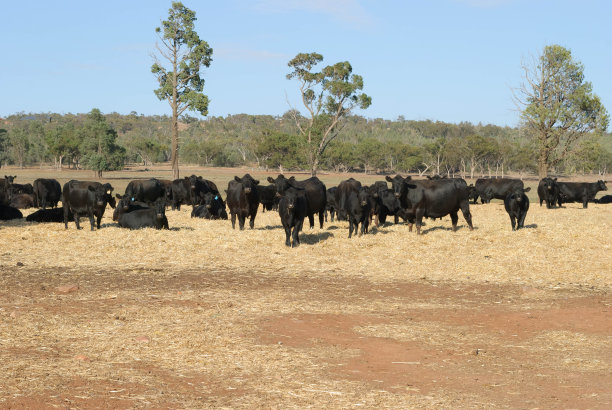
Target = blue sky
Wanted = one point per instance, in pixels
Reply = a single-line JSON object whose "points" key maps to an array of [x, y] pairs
{"points": [[446, 60]]}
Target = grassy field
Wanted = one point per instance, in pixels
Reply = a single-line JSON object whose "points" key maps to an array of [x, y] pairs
{"points": [[203, 315]]}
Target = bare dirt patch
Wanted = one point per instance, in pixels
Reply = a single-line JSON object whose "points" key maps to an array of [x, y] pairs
{"points": [[243, 339]]}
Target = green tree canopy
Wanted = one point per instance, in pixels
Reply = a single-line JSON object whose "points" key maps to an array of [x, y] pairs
{"points": [[181, 84], [329, 96], [558, 106], [100, 152]]}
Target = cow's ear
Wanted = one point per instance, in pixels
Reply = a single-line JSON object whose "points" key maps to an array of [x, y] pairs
{"points": [[256, 181], [388, 178], [408, 178], [270, 180], [225, 191], [118, 196], [555, 179], [237, 179], [411, 186], [91, 188], [527, 189]]}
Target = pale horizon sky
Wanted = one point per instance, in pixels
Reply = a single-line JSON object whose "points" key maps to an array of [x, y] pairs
{"points": [[444, 60]]}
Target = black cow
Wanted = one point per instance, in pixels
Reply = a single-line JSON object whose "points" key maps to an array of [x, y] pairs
{"points": [[387, 204], [606, 199], [147, 191], [181, 193], [167, 184], [580, 191], [314, 192], [8, 212], [342, 194], [267, 197], [330, 205], [21, 201], [86, 198], [47, 192], [433, 199], [358, 211], [7, 180], [48, 215], [548, 190], [126, 205], [243, 200], [146, 218], [472, 193], [199, 187], [22, 188], [374, 191], [497, 188], [212, 207], [292, 208], [517, 205]]}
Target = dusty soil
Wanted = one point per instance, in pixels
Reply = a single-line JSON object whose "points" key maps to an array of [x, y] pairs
{"points": [[125, 339]]}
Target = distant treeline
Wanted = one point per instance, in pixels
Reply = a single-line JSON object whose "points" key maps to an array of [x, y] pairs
{"points": [[110, 141]]}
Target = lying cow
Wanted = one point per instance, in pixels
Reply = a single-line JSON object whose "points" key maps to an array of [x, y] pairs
{"points": [[48, 215], [146, 218], [606, 199], [212, 207], [8, 213]]}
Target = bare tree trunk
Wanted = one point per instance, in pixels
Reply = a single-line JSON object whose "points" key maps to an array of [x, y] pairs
{"points": [[542, 165]]}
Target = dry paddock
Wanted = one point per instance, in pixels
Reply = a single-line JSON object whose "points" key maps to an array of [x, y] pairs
{"points": [[206, 316]]}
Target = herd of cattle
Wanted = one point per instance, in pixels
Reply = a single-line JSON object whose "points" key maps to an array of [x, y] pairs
{"points": [[144, 202]]}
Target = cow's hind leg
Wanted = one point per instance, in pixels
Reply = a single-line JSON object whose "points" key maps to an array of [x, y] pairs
{"points": [[513, 222], [467, 215], [311, 220], [321, 214], [233, 220]]}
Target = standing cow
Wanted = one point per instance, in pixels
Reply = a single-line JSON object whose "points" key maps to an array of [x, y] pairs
{"points": [[432, 199], [314, 192], [292, 210], [83, 198], [580, 191], [358, 211], [345, 188], [517, 205], [243, 200], [47, 192], [147, 191], [497, 188], [548, 190]]}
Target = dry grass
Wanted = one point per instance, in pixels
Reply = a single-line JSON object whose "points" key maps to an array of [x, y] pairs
{"points": [[171, 318], [562, 246]]}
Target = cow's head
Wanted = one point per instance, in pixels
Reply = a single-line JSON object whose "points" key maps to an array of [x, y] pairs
{"points": [[518, 194], [549, 183], [290, 197], [281, 183], [160, 208], [601, 186], [363, 196], [208, 200], [398, 184], [248, 182], [100, 195], [389, 200]]}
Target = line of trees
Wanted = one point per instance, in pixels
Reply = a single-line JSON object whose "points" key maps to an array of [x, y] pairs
{"points": [[106, 142]]}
